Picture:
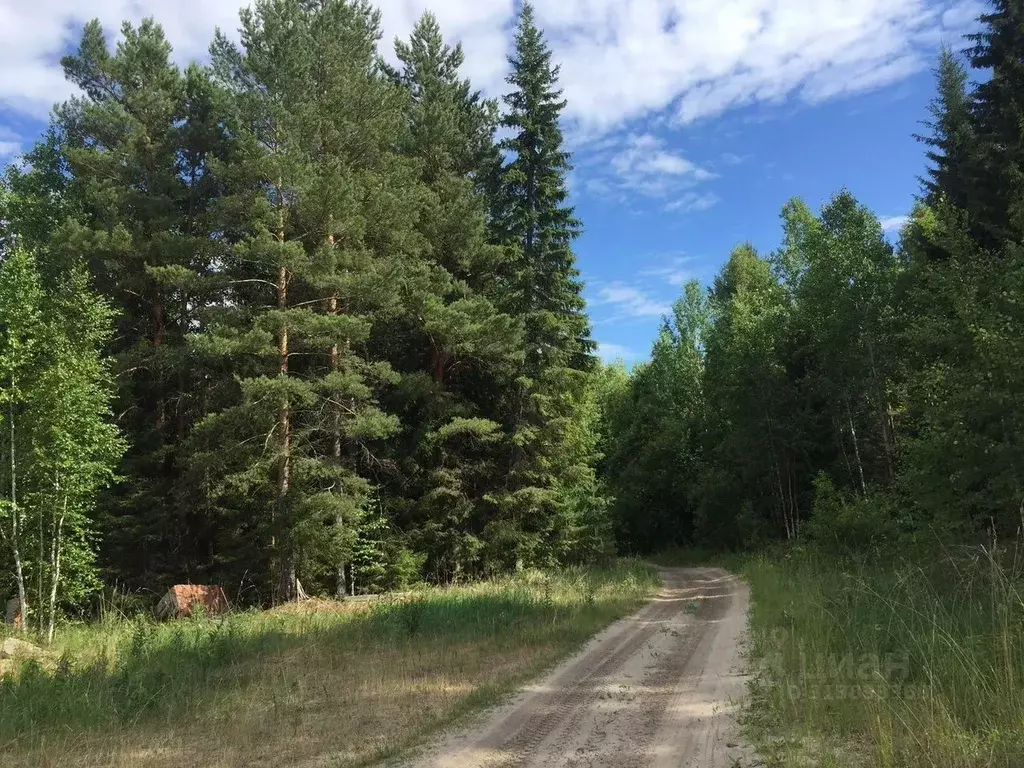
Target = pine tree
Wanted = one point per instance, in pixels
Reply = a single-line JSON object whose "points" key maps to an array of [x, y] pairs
{"points": [[952, 135], [964, 462], [997, 199], [137, 149], [531, 214], [320, 208]]}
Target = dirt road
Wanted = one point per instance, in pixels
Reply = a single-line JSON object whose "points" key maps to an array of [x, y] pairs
{"points": [[656, 689]]}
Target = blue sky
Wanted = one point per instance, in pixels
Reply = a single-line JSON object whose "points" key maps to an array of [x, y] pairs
{"points": [[692, 121], [636, 256]]}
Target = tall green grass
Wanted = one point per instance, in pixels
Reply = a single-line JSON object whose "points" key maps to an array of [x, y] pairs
{"points": [[886, 663], [124, 673]]}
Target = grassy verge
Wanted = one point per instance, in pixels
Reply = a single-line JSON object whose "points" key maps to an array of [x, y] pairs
{"points": [[274, 688], [887, 664]]}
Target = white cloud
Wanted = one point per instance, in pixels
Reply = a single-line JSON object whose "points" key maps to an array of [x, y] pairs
{"points": [[963, 15], [34, 35], [621, 167], [621, 59], [611, 353], [675, 273], [628, 301], [624, 59], [893, 223], [646, 166], [693, 201]]}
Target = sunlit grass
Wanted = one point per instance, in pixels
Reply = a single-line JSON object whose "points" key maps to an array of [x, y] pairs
{"points": [[888, 663], [277, 688]]}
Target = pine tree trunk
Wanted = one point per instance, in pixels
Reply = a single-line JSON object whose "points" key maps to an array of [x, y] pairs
{"points": [[19, 573], [55, 550], [159, 335], [332, 310], [286, 585]]}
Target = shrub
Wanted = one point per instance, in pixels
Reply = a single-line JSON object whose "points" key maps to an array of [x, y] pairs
{"points": [[843, 525]]}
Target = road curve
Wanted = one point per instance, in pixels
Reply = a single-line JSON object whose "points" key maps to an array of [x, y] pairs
{"points": [[658, 688]]}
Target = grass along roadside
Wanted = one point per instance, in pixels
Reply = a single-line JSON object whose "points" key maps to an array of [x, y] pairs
{"points": [[887, 664], [272, 688]]}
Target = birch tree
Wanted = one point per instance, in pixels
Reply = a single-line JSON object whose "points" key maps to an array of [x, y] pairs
{"points": [[61, 446]]}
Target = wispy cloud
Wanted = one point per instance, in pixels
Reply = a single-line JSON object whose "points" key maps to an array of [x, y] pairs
{"points": [[611, 353], [630, 301], [675, 273], [626, 59], [693, 201], [621, 59], [892, 224], [644, 166], [647, 166]]}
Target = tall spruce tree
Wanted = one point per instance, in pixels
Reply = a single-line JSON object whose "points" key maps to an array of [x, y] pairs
{"points": [[531, 213], [995, 206], [961, 301], [550, 480], [456, 351], [951, 138]]}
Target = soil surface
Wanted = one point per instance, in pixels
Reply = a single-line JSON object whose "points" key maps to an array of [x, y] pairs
{"points": [[659, 688]]}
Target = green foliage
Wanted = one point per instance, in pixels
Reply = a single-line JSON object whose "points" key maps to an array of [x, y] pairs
{"points": [[845, 525], [653, 425], [952, 136], [349, 341], [60, 447], [132, 162], [551, 494]]}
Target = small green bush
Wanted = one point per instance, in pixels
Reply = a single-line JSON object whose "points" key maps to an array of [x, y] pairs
{"points": [[843, 525]]}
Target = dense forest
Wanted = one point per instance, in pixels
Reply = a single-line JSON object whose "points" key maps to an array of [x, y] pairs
{"points": [[300, 321]]}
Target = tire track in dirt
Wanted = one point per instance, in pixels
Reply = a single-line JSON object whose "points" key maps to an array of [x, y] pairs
{"points": [[656, 688], [559, 704]]}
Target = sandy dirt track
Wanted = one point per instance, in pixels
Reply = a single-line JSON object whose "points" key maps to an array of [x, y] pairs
{"points": [[658, 688]]}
